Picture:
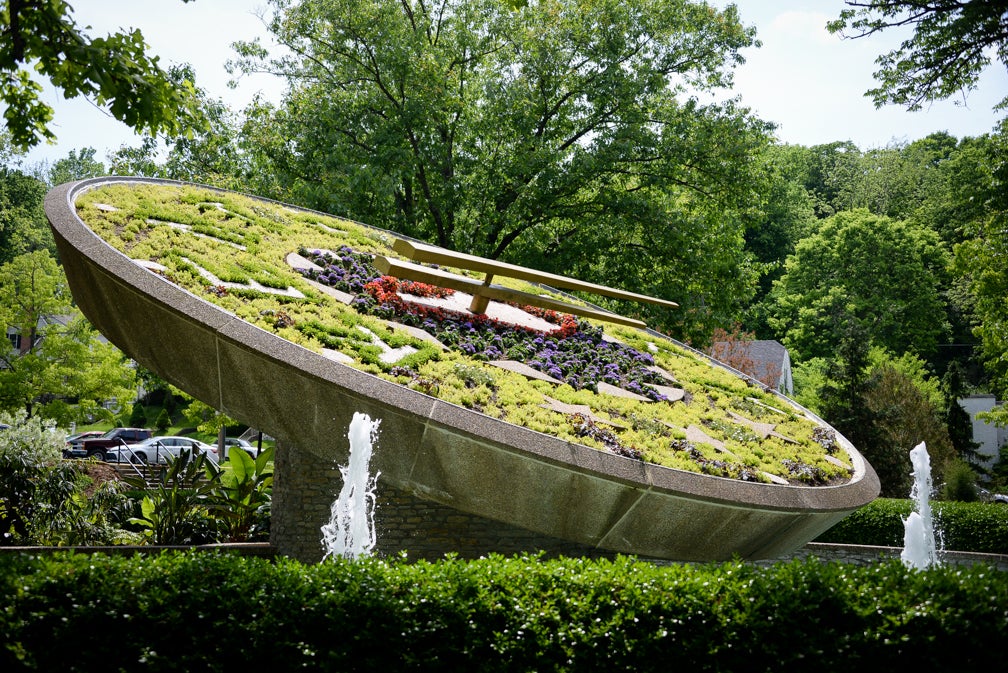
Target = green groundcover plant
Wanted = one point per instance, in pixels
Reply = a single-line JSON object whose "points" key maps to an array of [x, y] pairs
{"points": [[196, 611]]}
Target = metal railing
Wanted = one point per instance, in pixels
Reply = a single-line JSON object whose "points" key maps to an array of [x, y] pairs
{"points": [[136, 460]]}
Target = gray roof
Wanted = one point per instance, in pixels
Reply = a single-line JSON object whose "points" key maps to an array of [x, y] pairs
{"points": [[769, 359]]}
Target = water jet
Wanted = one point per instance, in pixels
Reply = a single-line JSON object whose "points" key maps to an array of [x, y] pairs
{"points": [[919, 548], [350, 532]]}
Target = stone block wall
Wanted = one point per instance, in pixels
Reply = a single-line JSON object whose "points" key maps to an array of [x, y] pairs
{"points": [[306, 485], [427, 530], [868, 555]]}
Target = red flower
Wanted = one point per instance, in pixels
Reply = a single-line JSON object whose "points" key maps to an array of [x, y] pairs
{"points": [[424, 290], [385, 291]]}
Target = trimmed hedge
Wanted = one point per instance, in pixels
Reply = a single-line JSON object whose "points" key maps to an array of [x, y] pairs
{"points": [[960, 526], [198, 611]]}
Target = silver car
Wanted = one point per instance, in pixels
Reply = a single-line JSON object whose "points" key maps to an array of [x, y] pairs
{"points": [[158, 449], [241, 444]]}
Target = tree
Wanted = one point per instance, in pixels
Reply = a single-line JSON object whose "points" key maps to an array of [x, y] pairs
{"points": [[828, 173], [949, 49], [903, 417], [960, 482], [842, 397], [141, 161], [42, 36], [163, 420], [31, 289], [733, 349], [65, 372], [1000, 470], [957, 419], [76, 165], [23, 227], [982, 261], [867, 270], [884, 405], [787, 217], [211, 155], [891, 181], [138, 416], [952, 205], [206, 419], [535, 133]]}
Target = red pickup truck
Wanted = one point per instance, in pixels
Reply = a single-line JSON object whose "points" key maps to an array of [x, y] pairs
{"points": [[113, 438]]}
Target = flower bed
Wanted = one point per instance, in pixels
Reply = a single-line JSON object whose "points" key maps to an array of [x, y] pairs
{"points": [[575, 352]]}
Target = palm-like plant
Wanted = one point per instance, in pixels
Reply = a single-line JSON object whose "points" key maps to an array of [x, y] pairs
{"points": [[243, 494], [177, 510]]}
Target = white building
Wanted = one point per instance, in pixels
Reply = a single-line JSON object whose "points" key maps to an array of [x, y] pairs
{"points": [[990, 437]]}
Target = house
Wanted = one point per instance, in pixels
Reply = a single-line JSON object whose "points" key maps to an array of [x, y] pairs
{"points": [[24, 344], [18, 344], [765, 360], [989, 437]]}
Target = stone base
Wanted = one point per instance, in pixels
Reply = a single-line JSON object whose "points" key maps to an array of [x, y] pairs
{"points": [[305, 488]]}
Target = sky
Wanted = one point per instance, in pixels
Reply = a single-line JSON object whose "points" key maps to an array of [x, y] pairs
{"points": [[808, 82]]}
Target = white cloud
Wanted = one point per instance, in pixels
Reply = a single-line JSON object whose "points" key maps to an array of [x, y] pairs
{"points": [[809, 26]]}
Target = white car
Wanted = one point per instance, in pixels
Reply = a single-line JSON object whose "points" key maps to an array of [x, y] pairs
{"points": [[158, 449], [241, 444]]}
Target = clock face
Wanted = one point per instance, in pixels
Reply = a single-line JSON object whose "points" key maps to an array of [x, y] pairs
{"points": [[581, 376]]}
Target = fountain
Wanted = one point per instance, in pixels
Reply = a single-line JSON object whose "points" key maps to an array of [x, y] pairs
{"points": [[350, 532], [546, 489], [919, 549]]}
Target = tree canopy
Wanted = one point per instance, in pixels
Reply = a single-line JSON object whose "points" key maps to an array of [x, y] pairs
{"points": [[949, 48], [23, 227], [40, 37], [212, 155], [63, 361], [859, 268], [982, 258], [538, 131]]}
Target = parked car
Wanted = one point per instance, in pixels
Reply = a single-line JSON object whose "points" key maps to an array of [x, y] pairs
{"points": [[158, 450], [113, 439], [75, 442], [241, 444]]}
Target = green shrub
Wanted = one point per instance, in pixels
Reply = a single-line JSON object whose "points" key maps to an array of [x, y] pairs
{"points": [[138, 418], [42, 497], [163, 421], [31, 438], [176, 510], [243, 494], [960, 482], [209, 611], [28, 485], [170, 402], [960, 526], [880, 522], [973, 526]]}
